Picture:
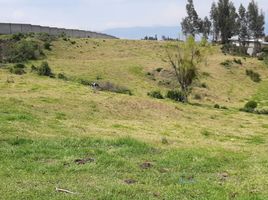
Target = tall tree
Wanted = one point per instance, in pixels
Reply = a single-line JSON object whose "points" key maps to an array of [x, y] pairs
{"points": [[243, 25], [214, 17], [191, 24], [256, 20], [227, 20], [206, 27]]}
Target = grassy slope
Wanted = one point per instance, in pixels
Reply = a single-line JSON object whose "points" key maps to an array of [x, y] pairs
{"points": [[45, 124]]}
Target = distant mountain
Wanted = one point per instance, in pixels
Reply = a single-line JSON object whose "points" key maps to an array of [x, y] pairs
{"points": [[140, 32]]}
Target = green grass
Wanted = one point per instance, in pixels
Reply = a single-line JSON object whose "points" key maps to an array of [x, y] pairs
{"points": [[184, 173], [195, 150]]}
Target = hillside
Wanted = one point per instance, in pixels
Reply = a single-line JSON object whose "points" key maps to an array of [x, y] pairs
{"points": [[139, 147]]}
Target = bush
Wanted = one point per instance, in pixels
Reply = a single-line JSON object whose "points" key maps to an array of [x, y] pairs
{"points": [[18, 69], [254, 76], [217, 106], [108, 86], [45, 37], [62, 76], [47, 46], [204, 85], [23, 50], [18, 36], [155, 94], [85, 82], [159, 69], [238, 61], [44, 70], [175, 95], [250, 107], [227, 63], [73, 42]]}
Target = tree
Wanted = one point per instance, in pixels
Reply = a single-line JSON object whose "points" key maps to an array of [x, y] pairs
{"points": [[243, 25], [256, 20], [214, 17], [184, 60], [206, 27], [255, 24], [191, 24], [227, 20]]}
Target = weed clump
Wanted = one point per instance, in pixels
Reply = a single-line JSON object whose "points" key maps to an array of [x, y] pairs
{"points": [[85, 82], [217, 106], [227, 63], [18, 69], [108, 86], [254, 76], [175, 95], [62, 76], [159, 69], [155, 94], [44, 70], [238, 61]]}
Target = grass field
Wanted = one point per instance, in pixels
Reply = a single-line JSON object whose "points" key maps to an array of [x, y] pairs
{"points": [[134, 147]]}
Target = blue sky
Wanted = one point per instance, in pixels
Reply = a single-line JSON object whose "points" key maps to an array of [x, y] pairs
{"points": [[103, 14]]}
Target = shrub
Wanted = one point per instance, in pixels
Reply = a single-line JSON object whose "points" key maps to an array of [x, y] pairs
{"points": [[44, 70], [250, 106], [34, 68], [159, 69], [204, 85], [238, 61], [45, 37], [254, 76], [18, 36], [227, 63], [47, 46], [85, 82], [175, 95], [23, 50], [73, 42], [108, 86], [62, 76], [18, 69], [217, 106], [155, 94]]}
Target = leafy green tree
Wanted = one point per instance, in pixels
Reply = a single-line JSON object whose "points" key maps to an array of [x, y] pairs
{"points": [[206, 27], [243, 25], [184, 59], [227, 20], [191, 24], [256, 24], [256, 20], [214, 17]]}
